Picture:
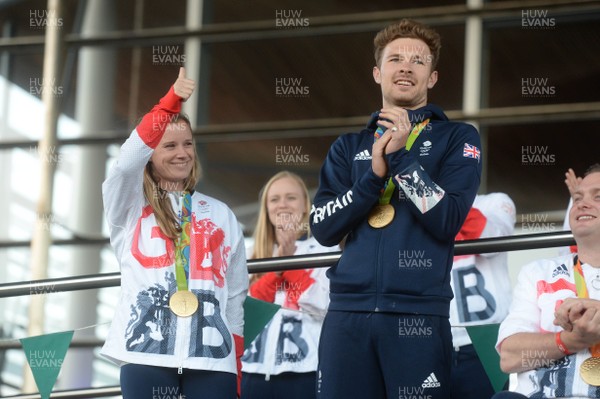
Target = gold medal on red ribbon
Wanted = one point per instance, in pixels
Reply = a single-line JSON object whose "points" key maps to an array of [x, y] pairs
{"points": [[183, 303], [590, 371], [381, 215]]}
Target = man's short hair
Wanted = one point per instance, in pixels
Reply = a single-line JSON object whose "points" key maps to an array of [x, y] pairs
{"points": [[408, 28], [595, 168]]}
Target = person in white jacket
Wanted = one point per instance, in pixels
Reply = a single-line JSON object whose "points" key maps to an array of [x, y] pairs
{"points": [[482, 291], [282, 361], [178, 326], [551, 337]]}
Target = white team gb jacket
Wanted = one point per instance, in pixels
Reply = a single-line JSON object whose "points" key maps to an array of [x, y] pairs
{"points": [[144, 329]]}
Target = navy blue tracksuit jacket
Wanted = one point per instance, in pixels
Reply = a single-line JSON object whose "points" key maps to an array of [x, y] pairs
{"points": [[404, 267]]}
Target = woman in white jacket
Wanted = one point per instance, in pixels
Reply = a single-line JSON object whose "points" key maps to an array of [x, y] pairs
{"points": [[178, 327], [282, 361]]}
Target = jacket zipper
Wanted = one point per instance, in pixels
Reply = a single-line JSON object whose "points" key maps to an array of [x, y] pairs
{"points": [[183, 336], [378, 266]]}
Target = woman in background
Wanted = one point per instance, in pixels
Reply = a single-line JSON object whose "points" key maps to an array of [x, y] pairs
{"points": [[282, 361]]}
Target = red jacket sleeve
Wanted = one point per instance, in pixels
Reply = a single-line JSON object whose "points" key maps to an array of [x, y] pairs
{"points": [[153, 124], [473, 225], [296, 282], [266, 287], [293, 282], [239, 351]]}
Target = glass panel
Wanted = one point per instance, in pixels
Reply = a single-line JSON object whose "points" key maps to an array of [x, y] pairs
{"points": [[540, 66], [314, 77], [528, 162]]}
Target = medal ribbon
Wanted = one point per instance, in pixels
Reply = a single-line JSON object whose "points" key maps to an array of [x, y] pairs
{"points": [[582, 292], [388, 190], [182, 245]]}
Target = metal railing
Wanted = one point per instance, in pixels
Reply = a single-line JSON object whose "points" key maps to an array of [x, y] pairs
{"points": [[87, 393], [484, 245], [47, 286], [320, 25]]}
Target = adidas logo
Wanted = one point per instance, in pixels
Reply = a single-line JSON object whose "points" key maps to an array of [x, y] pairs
{"points": [[431, 382], [562, 269], [363, 156]]}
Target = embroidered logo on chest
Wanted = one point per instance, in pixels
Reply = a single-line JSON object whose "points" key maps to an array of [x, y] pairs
{"points": [[425, 148]]}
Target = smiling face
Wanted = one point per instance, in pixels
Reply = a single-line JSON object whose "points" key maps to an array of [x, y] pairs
{"points": [[173, 158], [584, 217], [405, 73], [286, 204]]}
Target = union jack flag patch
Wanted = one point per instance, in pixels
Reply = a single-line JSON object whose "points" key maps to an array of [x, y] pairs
{"points": [[470, 151]]}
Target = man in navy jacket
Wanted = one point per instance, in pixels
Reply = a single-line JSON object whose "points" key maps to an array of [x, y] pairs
{"points": [[398, 192]]}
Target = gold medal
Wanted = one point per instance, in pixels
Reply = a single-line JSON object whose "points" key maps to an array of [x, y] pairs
{"points": [[381, 215], [590, 371], [183, 303]]}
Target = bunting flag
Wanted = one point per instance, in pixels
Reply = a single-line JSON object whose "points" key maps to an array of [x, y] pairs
{"points": [[484, 341], [257, 314], [45, 355]]}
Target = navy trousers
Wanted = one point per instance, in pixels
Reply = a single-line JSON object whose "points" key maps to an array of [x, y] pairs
{"points": [[151, 382], [469, 379], [284, 385], [384, 355], [508, 395]]}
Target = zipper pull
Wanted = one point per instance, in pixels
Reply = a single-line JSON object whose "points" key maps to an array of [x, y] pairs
{"points": [[180, 370]]}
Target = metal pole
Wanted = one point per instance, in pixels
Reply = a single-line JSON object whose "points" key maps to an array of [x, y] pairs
{"points": [[193, 46], [136, 62], [53, 57], [94, 103], [472, 74], [103, 392]]}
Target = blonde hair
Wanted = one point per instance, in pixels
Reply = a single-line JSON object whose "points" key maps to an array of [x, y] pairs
{"points": [[158, 198], [264, 232]]}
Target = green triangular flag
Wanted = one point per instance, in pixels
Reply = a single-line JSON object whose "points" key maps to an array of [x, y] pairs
{"points": [[257, 314], [45, 355], [484, 341]]}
